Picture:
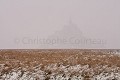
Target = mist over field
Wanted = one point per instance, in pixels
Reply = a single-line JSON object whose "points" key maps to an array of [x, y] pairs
{"points": [[59, 39], [23, 23]]}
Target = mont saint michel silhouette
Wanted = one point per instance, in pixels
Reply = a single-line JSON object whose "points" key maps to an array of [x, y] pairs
{"points": [[70, 36]]}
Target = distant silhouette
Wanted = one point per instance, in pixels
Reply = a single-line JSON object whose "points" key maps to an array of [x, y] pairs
{"points": [[72, 37], [68, 31]]}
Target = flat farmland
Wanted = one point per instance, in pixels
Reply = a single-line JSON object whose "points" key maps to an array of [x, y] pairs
{"points": [[59, 64]]}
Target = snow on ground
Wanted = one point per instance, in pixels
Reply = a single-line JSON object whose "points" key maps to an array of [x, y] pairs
{"points": [[61, 72], [59, 65]]}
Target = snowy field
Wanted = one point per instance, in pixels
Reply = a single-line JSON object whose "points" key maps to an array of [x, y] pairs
{"points": [[59, 65]]}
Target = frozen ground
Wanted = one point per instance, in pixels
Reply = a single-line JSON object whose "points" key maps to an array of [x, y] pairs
{"points": [[55, 72], [75, 65]]}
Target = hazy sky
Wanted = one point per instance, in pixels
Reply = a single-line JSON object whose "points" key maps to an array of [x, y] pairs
{"points": [[98, 19]]}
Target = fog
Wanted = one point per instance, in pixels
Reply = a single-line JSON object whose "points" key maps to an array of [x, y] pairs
{"points": [[21, 20]]}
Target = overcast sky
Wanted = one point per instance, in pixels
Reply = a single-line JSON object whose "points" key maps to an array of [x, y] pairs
{"points": [[97, 19]]}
